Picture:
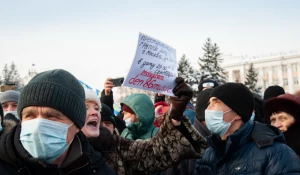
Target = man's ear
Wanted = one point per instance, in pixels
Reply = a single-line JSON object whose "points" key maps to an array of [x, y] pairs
{"points": [[237, 117]]}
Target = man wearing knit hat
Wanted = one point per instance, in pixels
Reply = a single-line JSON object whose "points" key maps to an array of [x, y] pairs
{"points": [[9, 101], [239, 145], [272, 92], [206, 84], [108, 119], [48, 140]]}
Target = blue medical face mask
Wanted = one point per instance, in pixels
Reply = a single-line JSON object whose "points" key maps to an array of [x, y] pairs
{"points": [[128, 122], [44, 139], [215, 123], [252, 116]]}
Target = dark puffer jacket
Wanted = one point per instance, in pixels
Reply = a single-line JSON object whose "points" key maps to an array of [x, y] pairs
{"points": [[253, 149], [81, 158]]}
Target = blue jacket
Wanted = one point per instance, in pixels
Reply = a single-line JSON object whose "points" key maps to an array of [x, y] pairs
{"points": [[253, 149]]}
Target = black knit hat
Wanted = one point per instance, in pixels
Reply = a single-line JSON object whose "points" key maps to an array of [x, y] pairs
{"points": [[202, 103], [57, 89], [273, 91], [207, 83], [237, 96], [107, 114]]}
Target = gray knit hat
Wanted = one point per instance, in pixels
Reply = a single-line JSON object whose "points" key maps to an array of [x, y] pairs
{"points": [[57, 89], [10, 95]]}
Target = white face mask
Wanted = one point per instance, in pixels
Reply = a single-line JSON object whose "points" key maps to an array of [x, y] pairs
{"points": [[128, 122], [15, 113], [215, 123]]}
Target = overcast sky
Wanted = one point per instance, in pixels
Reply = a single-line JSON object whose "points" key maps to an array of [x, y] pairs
{"points": [[97, 39]]}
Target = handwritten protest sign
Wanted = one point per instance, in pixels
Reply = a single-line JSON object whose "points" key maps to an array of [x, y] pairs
{"points": [[154, 67]]}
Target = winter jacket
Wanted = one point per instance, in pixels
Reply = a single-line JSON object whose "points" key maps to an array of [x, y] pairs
{"points": [[143, 107], [81, 158], [191, 114], [169, 146], [253, 149], [186, 167], [292, 136]]}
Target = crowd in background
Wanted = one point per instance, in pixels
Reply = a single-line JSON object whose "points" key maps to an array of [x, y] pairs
{"points": [[55, 126]]}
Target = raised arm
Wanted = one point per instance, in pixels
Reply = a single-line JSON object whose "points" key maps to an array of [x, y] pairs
{"points": [[107, 94], [177, 139]]}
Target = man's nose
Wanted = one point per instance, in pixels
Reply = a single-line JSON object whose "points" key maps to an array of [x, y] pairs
{"points": [[277, 124]]}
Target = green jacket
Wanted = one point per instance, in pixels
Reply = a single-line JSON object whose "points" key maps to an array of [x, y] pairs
{"points": [[143, 107]]}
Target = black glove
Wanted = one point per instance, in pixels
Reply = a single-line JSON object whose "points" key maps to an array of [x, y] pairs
{"points": [[184, 94]]}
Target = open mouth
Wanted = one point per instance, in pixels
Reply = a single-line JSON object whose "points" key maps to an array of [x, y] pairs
{"points": [[92, 123]]}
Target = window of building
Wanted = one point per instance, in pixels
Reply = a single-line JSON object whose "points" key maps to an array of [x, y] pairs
{"points": [[285, 82], [266, 84], [274, 69], [296, 81], [236, 75], [226, 75], [284, 68], [294, 67], [275, 82], [265, 70]]}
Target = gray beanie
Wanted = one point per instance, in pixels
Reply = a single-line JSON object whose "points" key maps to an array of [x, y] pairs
{"points": [[10, 95], [57, 89]]}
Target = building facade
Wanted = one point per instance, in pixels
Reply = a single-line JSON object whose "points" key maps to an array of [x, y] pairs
{"points": [[281, 69]]}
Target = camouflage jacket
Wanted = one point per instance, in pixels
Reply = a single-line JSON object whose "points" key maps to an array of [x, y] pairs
{"points": [[169, 146]]}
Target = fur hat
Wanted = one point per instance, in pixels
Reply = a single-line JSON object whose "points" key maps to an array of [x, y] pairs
{"points": [[273, 91], [57, 89], [237, 96], [284, 103], [91, 95], [10, 95]]}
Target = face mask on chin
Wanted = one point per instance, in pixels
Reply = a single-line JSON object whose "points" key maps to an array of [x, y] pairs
{"points": [[44, 139], [128, 122], [215, 123]]}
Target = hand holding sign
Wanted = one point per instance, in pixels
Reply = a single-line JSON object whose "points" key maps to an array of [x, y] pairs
{"points": [[154, 67], [184, 94]]}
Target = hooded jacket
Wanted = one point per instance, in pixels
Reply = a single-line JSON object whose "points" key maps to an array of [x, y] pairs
{"points": [[81, 158], [253, 149], [143, 107]]}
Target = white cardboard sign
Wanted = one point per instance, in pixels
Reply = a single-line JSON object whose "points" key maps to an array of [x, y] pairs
{"points": [[154, 67]]}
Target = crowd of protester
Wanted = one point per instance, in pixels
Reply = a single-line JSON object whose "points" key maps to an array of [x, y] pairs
{"points": [[55, 126]]}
